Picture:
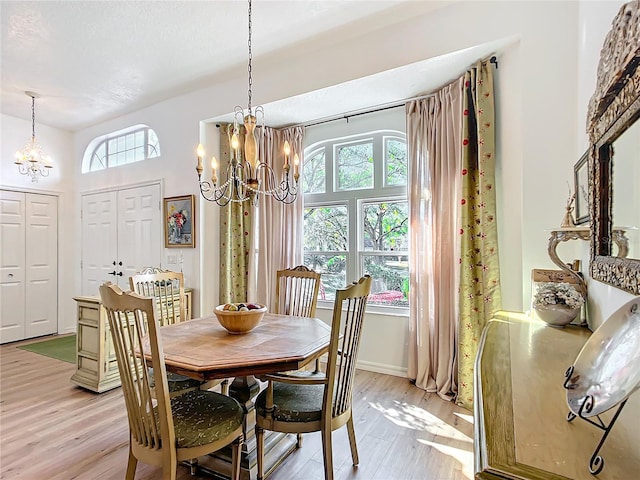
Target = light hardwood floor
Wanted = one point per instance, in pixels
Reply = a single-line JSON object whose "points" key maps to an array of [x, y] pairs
{"points": [[51, 429]]}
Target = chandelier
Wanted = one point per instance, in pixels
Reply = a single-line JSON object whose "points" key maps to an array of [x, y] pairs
{"points": [[32, 160], [246, 177]]}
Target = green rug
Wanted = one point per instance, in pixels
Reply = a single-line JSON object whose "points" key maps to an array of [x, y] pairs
{"points": [[60, 348]]}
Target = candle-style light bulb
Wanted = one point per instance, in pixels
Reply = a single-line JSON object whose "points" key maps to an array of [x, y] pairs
{"points": [[200, 154], [296, 163], [214, 167], [287, 152]]}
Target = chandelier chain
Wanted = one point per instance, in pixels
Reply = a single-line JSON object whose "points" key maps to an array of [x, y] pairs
{"points": [[250, 57], [33, 117]]}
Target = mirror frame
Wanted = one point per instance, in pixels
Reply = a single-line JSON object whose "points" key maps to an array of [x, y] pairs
{"points": [[614, 106]]}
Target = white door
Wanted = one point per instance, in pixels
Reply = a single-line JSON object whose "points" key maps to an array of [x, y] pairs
{"points": [[28, 265], [121, 233], [41, 265], [139, 231], [99, 240], [12, 266]]}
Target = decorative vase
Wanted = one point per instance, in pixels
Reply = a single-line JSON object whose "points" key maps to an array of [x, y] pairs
{"points": [[557, 315]]}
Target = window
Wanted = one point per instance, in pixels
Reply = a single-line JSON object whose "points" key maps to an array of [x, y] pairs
{"points": [[356, 214], [120, 148]]}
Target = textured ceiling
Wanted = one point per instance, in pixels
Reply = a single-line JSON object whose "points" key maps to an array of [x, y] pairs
{"points": [[94, 60]]}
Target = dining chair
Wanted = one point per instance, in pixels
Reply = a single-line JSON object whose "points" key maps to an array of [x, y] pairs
{"points": [[167, 288], [297, 291], [164, 430], [293, 404], [297, 294]]}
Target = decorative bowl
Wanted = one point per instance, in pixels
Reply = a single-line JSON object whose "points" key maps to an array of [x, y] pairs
{"points": [[557, 315], [240, 321]]}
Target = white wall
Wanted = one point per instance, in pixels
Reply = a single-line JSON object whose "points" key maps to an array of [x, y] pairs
{"points": [[537, 121], [14, 135]]}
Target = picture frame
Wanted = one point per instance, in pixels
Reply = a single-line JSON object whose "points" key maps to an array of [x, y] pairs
{"points": [[179, 222], [581, 185]]}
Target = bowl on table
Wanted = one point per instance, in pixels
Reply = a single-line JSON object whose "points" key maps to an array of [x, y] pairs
{"points": [[238, 318]]}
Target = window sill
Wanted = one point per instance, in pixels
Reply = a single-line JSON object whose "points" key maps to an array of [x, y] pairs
{"points": [[401, 312]]}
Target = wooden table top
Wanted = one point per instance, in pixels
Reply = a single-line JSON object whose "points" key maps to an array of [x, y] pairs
{"points": [[203, 349]]}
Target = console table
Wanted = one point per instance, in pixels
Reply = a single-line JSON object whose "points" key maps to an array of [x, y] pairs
{"points": [[520, 409], [96, 365]]}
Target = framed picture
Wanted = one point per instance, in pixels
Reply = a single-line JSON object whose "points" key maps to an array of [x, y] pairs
{"points": [[180, 222], [581, 179]]}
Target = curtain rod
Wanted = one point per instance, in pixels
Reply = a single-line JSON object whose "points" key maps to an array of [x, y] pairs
{"points": [[378, 108]]}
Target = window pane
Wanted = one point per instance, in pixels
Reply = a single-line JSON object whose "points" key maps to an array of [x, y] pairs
{"points": [[334, 273], [390, 279], [355, 166], [313, 173], [385, 226], [396, 164], [140, 138], [130, 156], [121, 144], [154, 145], [130, 141], [325, 229], [139, 153]]}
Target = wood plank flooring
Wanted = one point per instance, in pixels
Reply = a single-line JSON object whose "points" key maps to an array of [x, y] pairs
{"points": [[50, 429]]}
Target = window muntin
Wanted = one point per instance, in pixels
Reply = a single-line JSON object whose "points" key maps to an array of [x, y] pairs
{"points": [[374, 210], [123, 147]]}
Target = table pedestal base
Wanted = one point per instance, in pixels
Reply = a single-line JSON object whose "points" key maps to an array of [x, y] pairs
{"points": [[277, 446]]}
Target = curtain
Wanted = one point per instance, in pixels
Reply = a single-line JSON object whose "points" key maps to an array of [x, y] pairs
{"points": [[278, 239], [434, 139], [235, 237], [480, 295]]}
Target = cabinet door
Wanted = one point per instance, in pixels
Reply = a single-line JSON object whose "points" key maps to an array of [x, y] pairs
{"points": [[12, 270], [41, 265]]}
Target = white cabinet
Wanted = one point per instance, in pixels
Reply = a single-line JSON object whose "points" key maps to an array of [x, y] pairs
{"points": [[28, 265], [121, 233], [96, 365]]}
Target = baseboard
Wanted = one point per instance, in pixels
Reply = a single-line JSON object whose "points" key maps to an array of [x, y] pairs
{"points": [[382, 368]]}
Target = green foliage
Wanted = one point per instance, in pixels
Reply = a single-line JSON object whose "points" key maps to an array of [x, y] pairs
{"points": [[355, 166]]}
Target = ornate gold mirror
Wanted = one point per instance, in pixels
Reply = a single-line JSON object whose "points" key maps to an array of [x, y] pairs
{"points": [[614, 163]]}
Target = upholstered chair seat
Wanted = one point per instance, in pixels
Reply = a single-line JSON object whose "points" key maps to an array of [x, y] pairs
{"points": [[293, 403], [217, 416]]}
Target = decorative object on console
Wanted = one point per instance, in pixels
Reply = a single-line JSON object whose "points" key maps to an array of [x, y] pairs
{"points": [[567, 221], [32, 160], [558, 304], [179, 222], [246, 176], [606, 372]]}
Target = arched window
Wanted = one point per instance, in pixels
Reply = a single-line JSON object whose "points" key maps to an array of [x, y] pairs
{"points": [[128, 145]]}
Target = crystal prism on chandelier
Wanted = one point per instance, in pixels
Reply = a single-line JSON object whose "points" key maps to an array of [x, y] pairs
{"points": [[32, 160], [246, 177]]}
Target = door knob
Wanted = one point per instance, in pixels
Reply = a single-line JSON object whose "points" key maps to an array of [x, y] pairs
{"points": [[112, 273], [114, 262], [119, 274]]}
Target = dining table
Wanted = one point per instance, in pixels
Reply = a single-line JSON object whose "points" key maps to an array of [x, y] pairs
{"points": [[202, 349]]}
